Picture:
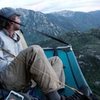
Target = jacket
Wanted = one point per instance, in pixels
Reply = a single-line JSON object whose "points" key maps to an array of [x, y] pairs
{"points": [[9, 48]]}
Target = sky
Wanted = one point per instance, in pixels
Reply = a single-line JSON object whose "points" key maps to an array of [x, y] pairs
{"points": [[47, 6]]}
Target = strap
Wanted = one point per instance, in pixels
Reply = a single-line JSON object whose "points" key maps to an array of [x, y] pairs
{"points": [[8, 52], [10, 20]]}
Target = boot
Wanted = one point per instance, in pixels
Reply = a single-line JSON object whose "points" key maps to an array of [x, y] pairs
{"points": [[53, 96], [76, 96]]}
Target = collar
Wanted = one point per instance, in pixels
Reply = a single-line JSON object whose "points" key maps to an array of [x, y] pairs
{"points": [[15, 37]]}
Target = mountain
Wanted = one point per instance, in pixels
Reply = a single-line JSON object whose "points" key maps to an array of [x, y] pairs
{"points": [[37, 21], [56, 23], [79, 21]]}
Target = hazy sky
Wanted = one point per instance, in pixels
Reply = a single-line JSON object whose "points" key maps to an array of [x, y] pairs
{"points": [[53, 5]]}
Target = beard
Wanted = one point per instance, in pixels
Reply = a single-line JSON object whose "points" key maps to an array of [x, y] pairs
{"points": [[17, 27]]}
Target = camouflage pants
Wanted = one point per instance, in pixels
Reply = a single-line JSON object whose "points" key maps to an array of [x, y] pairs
{"points": [[32, 64]]}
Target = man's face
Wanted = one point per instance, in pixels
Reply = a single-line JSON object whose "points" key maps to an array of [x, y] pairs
{"points": [[15, 25]]}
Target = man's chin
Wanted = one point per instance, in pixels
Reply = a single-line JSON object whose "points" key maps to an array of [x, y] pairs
{"points": [[17, 29]]}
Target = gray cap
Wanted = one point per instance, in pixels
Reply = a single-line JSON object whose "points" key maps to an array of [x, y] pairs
{"points": [[8, 12]]}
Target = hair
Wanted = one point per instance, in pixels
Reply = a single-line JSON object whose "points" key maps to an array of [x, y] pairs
{"points": [[3, 23], [6, 22]]}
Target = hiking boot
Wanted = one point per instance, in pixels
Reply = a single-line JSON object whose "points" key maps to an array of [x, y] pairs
{"points": [[75, 96], [53, 95], [85, 90]]}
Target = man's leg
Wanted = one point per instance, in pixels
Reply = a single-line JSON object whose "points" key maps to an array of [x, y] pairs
{"points": [[57, 65], [46, 77], [30, 64]]}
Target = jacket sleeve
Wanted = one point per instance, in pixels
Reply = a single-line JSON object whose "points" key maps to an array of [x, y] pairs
{"points": [[3, 61]]}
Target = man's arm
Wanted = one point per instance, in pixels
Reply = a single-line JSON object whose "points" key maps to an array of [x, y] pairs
{"points": [[3, 61]]}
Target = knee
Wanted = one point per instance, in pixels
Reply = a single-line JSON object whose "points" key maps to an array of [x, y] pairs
{"points": [[58, 60], [37, 48]]}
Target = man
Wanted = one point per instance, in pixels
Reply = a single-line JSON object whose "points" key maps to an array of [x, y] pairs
{"points": [[18, 67]]}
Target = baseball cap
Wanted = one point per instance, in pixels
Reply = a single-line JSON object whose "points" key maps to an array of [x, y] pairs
{"points": [[8, 12]]}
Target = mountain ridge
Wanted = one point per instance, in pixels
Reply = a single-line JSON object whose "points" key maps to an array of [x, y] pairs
{"points": [[57, 23]]}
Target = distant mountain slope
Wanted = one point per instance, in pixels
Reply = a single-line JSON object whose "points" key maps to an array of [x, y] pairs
{"points": [[79, 21], [37, 21], [56, 23]]}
